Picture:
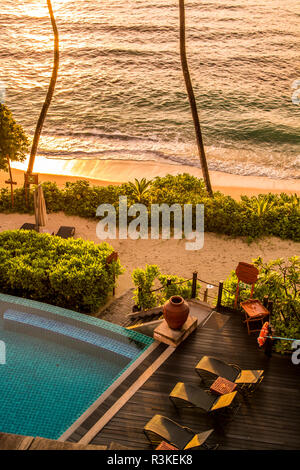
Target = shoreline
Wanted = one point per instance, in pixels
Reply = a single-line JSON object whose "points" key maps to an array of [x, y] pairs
{"points": [[106, 172]]}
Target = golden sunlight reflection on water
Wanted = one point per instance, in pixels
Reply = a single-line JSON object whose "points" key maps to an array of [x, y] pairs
{"points": [[120, 91], [38, 8]]}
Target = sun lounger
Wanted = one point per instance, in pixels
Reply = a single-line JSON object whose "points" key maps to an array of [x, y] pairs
{"points": [[27, 226], [161, 428], [65, 232], [209, 368], [191, 396]]}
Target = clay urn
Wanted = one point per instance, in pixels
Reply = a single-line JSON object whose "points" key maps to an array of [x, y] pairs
{"points": [[176, 311]]}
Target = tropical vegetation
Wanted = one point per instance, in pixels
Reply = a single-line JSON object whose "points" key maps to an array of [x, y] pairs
{"points": [[251, 217], [148, 295], [280, 281], [14, 142], [67, 273]]}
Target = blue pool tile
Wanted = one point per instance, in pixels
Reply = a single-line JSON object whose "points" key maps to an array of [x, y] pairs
{"points": [[48, 384]]}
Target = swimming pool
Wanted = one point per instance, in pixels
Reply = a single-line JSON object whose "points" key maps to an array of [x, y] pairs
{"points": [[58, 363]]}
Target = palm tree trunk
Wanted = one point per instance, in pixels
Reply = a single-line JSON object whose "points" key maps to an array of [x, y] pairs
{"points": [[49, 95], [193, 105]]}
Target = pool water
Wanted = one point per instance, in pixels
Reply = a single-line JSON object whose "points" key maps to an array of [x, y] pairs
{"points": [[48, 382]]}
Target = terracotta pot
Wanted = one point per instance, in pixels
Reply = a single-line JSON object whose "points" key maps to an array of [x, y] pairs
{"points": [[176, 311]]}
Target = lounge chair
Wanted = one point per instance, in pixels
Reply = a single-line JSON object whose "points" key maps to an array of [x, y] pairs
{"points": [[161, 428], [191, 396], [28, 226], [65, 232], [209, 368]]}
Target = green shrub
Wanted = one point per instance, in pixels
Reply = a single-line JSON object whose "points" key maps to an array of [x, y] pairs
{"points": [[279, 280], [254, 217], [68, 273], [177, 286], [144, 279]]}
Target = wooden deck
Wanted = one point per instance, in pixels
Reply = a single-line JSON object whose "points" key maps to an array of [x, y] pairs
{"points": [[18, 442], [270, 420]]}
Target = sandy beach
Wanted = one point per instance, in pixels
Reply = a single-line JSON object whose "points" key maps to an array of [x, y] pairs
{"points": [[104, 172], [213, 262]]}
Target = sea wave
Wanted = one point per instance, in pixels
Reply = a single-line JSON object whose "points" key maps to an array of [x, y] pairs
{"points": [[120, 92]]}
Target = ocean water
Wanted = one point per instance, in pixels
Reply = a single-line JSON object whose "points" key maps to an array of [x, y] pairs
{"points": [[120, 92]]}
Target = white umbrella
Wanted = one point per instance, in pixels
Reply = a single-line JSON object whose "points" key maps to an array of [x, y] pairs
{"points": [[40, 211]]}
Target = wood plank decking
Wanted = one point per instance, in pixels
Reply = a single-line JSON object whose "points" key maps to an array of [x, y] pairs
{"points": [[269, 420], [18, 442]]}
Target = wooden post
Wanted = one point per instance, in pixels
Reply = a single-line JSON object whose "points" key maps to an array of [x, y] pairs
{"points": [[114, 289], [220, 292], [269, 343], [265, 301], [270, 308], [139, 296], [194, 285], [205, 295], [11, 182], [109, 260]]}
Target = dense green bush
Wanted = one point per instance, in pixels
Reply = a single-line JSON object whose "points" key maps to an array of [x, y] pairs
{"points": [[144, 280], [68, 273], [280, 281], [253, 217]]}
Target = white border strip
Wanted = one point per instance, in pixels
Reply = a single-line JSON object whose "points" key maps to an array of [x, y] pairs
{"points": [[107, 392], [206, 319], [87, 438]]}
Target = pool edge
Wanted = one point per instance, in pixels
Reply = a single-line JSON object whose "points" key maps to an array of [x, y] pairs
{"points": [[107, 392]]}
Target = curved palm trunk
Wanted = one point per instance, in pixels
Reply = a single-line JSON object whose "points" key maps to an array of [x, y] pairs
{"points": [[49, 95], [190, 91]]}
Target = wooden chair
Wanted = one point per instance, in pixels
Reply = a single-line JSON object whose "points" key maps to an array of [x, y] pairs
{"points": [[248, 274], [255, 314], [253, 308]]}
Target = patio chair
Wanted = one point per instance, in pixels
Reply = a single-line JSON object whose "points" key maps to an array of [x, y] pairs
{"points": [[28, 226], [191, 396], [65, 232], [255, 314], [210, 368], [160, 428], [248, 274]]}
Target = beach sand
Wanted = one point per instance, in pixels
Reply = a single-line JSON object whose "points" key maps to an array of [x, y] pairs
{"points": [[214, 262], [104, 172]]}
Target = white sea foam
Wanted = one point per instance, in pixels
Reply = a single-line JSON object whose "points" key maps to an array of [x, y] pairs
{"points": [[120, 92]]}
